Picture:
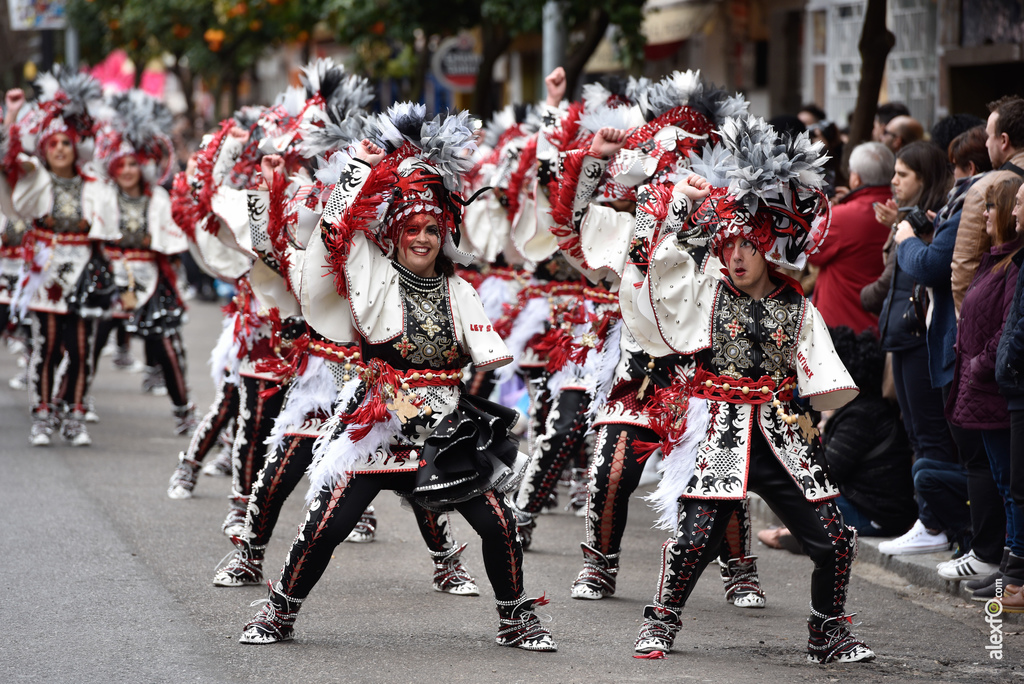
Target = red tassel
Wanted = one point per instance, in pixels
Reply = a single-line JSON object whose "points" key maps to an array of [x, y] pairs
{"points": [[653, 655], [183, 206], [269, 392], [542, 601], [644, 450], [11, 166], [659, 197]]}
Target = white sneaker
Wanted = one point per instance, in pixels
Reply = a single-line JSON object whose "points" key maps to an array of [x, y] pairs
{"points": [[966, 567], [917, 540]]}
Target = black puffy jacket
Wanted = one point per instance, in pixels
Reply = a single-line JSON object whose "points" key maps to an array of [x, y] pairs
{"points": [[869, 459]]}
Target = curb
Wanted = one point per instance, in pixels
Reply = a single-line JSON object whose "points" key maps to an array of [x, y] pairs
{"points": [[918, 569]]}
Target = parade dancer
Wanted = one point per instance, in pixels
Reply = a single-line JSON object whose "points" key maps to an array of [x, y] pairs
{"points": [[313, 368], [65, 280], [191, 203], [758, 342], [680, 114], [580, 341], [412, 430], [136, 154]]}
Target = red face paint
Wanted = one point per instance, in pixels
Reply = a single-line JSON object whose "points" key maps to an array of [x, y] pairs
{"points": [[727, 251], [419, 231]]}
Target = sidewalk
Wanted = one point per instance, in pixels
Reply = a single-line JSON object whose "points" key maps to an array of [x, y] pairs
{"points": [[917, 569]]}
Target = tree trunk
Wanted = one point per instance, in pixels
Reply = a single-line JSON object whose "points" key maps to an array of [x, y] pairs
{"points": [[414, 90], [496, 40], [186, 79], [578, 58], [875, 43]]}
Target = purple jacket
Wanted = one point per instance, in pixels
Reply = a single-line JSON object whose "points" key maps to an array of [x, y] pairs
{"points": [[974, 400]]}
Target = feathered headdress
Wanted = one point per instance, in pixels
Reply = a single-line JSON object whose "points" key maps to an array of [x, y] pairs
{"points": [[136, 123], [767, 189], [64, 105], [337, 117], [420, 174], [681, 114]]}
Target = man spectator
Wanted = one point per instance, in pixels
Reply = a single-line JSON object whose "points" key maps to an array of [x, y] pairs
{"points": [[851, 256], [902, 131], [883, 115], [1005, 143]]}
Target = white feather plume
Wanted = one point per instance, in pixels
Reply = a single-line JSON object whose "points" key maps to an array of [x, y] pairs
{"points": [[335, 455], [311, 393], [224, 361], [678, 464], [494, 294]]}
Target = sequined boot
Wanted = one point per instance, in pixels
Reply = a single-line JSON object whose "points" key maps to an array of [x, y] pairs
{"points": [[274, 620], [183, 479], [742, 586], [451, 576], [832, 641], [234, 523], [365, 530], [519, 626], [658, 631], [597, 578], [245, 566]]}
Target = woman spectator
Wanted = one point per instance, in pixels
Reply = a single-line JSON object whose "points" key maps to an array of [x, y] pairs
{"points": [[920, 183], [928, 263], [1009, 366], [974, 402]]}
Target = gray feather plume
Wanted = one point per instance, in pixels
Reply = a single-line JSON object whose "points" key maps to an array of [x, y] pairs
{"points": [[500, 122], [140, 118], [714, 163], [445, 142]]}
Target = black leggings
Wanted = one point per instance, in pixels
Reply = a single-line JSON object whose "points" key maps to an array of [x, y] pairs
{"points": [[336, 511], [220, 413], [169, 353], [103, 329], [818, 527], [285, 469], [614, 476], [259, 402], [53, 335], [562, 439]]}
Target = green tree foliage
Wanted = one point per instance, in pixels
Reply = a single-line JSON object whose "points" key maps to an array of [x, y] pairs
{"points": [[217, 41]]}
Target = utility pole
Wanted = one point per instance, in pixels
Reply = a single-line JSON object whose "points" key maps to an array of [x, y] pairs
{"points": [[554, 39]]}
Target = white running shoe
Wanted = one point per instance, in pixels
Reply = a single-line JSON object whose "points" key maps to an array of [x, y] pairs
{"points": [[917, 540], [966, 567]]}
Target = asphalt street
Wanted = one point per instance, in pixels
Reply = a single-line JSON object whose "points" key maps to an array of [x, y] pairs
{"points": [[105, 579]]}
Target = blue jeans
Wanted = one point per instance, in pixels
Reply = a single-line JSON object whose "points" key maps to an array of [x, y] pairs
{"points": [[997, 446], [921, 406], [942, 496], [858, 521]]}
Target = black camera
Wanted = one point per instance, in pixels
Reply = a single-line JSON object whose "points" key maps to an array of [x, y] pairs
{"points": [[919, 221]]}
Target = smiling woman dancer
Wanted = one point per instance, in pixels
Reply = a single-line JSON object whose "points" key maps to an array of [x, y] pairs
{"points": [[66, 281], [390, 232]]}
